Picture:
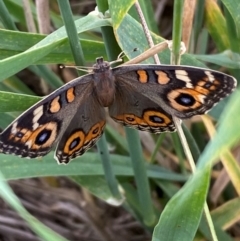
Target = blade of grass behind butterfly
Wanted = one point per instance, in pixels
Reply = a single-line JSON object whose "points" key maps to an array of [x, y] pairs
{"points": [[216, 25], [140, 175], [233, 32], [199, 34], [70, 27], [5, 119], [227, 214], [179, 151], [48, 75], [157, 146], [13, 84], [79, 60], [119, 140], [6, 17], [13, 167], [135, 149], [9, 100], [41, 230], [15, 42], [233, 24]]}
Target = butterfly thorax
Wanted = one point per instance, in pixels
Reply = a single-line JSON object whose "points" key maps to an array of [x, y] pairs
{"points": [[104, 82]]}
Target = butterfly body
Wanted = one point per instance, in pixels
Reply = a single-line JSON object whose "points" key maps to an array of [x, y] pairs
{"points": [[144, 97], [104, 82]]}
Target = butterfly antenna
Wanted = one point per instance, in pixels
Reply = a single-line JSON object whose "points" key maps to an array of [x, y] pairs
{"points": [[81, 68]]}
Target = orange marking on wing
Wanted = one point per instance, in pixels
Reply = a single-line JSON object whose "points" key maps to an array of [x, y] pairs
{"points": [[202, 90], [70, 95], [201, 83], [78, 136], [148, 114], [94, 132], [213, 87], [25, 132], [176, 93], [130, 119], [55, 105], [141, 121], [162, 77], [133, 120], [51, 126], [142, 76], [29, 137]]}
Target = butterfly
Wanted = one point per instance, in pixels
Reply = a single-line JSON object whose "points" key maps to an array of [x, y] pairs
{"points": [[141, 96]]}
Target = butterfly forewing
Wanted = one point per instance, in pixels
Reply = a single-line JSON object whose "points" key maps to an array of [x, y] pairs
{"points": [[38, 129]]}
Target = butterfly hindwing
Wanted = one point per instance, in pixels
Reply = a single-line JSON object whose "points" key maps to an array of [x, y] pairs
{"points": [[181, 91], [37, 130], [133, 109], [82, 132]]}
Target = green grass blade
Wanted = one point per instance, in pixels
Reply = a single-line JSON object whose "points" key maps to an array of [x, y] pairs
{"points": [[5, 17], [49, 76], [100, 188], [8, 101], [216, 25], [180, 219], [108, 169], [118, 10], [177, 31], [142, 183], [76, 48], [15, 42], [233, 7], [226, 135], [89, 164], [227, 214], [226, 59]]}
